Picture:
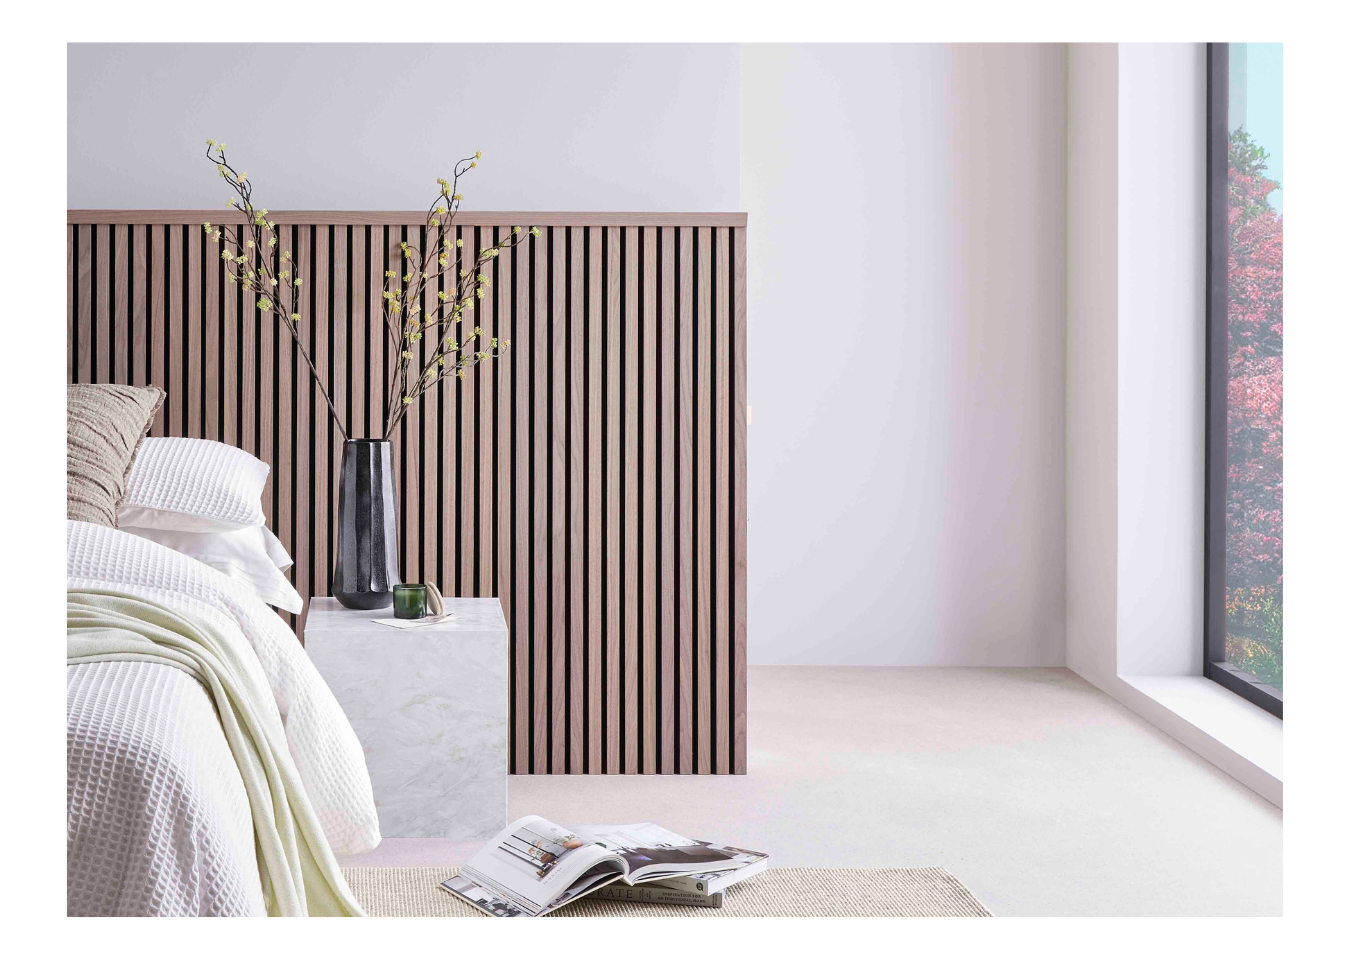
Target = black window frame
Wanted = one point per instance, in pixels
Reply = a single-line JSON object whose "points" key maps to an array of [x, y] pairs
{"points": [[1216, 666]]}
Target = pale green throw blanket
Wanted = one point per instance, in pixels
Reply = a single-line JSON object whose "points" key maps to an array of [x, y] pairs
{"points": [[300, 876]]}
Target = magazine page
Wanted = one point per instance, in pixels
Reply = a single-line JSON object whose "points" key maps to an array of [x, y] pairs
{"points": [[652, 851], [530, 867]]}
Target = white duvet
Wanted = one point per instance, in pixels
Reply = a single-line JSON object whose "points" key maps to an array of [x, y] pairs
{"points": [[158, 820]]}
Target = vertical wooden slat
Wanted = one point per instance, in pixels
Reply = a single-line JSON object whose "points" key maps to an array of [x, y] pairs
{"points": [[297, 453], [232, 387], [158, 328], [338, 366], [139, 279], [466, 412], [484, 389], [540, 517], [631, 515], [431, 405], [196, 386], [522, 344], [249, 328], [613, 504], [593, 579], [576, 496], [377, 344], [212, 352], [650, 627], [558, 499], [503, 290], [103, 323], [266, 410], [703, 499], [73, 351], [359, 338], [292, 394], [738, 502], [176, 383], [410, 430], [720, 420], [84, 322], [121, 319], [685, 498], [667, 486], [311, 498], [449, 436]]}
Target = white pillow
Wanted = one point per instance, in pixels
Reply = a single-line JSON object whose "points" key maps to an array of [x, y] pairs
{"points": [[201, 485], [251, 555]]}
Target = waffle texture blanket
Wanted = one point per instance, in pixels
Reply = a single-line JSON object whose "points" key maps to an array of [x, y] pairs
{"points": [[163, 814]]}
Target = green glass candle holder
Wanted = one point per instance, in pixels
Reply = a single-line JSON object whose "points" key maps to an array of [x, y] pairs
{"points": [[410, 601]]}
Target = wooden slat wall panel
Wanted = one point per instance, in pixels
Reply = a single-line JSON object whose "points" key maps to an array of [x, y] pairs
{"points": [[593, 479]]}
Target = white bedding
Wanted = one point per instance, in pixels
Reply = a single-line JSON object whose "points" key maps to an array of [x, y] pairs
{"points": [[123, 748], [158, 821]]}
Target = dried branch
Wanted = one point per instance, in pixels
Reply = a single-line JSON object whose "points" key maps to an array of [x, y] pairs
{"points": [[249, 253]]}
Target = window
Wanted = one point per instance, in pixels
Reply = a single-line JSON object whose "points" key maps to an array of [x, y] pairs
{"points": [[1244, 462]]}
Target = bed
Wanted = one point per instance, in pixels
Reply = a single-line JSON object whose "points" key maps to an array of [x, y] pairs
{"points": [[163, 815]]}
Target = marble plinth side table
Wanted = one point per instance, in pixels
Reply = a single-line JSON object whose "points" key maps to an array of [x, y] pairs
{"points": [[429, 705]]}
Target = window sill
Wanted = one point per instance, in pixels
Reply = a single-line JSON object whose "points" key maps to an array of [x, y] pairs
{"points": [[1234, 734]]}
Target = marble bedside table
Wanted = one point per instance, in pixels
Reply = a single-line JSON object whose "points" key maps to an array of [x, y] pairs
{"points": [[429, 705]]}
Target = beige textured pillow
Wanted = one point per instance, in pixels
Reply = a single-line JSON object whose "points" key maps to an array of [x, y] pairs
{"points": [[105, 422]]}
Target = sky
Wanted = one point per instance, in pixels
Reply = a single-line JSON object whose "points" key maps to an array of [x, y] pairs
{"points": [[1264, 88]]}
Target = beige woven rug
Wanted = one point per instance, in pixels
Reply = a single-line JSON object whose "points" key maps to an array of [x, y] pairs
{"points": [[778, 892]]}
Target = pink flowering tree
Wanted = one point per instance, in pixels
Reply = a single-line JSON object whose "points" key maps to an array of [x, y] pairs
{"points": [[1255, 545]]}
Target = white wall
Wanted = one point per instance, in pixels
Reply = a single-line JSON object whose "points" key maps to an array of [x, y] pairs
{"points": [[1136, 321], [1091, 395], [906, 355], [907, 228], [1161, 339], [329, 126]]}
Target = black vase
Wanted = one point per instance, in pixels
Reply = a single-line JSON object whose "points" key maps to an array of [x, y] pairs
{"points": [[367, 537]]}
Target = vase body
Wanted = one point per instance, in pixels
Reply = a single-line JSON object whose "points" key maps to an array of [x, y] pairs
{"points": [[366, 568]]}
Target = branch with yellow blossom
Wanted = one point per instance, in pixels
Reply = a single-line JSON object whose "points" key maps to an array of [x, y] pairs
{"points": [[250, 263], [249, 256]]}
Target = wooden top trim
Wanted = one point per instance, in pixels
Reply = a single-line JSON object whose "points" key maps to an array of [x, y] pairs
{"points": [[485, 218]]}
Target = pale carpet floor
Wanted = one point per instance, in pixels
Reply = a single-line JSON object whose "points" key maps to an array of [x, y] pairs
{"points": [[1040, 793]]}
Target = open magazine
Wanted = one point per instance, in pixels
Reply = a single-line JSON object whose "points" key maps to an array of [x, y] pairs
{"points": [[535, 866]]}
